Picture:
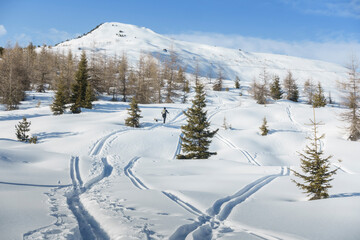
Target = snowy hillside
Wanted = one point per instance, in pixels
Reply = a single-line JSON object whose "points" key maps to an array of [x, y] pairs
{"points": [[116, 38], [89, 171], [91, 177]]}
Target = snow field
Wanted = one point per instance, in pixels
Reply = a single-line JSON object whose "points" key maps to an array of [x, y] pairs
{"points": [[126, 183]]}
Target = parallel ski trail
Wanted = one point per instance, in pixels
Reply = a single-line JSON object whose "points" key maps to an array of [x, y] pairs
{"points": [[178, 147], [222, 208], [129, 173], [128, 170], [37, 185], [233, 146], [187, 206], [89, 228]]}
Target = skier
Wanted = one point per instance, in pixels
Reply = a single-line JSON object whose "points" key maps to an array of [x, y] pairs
{"points": [[164, 112]]}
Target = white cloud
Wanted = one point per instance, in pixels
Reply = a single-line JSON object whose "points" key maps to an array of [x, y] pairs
{"points": [[57, 36], [339, 8], [48, 37], [332, 51], [2, 30]]}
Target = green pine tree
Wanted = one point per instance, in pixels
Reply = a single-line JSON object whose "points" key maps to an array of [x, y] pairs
{"points": [[80, 85], [21, 130], [134, 114], [264, 128], [89, 97], [316, 174], [275, 89], [319, 99], [196, 134], [291, 88], [59, 104], [237, 82]]}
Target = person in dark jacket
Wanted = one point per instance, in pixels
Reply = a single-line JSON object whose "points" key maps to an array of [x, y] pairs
{"points": [[164, 112]]}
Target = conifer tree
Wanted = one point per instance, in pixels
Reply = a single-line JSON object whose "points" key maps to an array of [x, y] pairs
{"points": [[275, 89], [80, 85], [21, 130], [319, 99], [197, 136], [316, 176], [309, 89], [134, 115], [123, 70], [226, 125], [291, 88], [352, 100], [59, 104], [219, 81], [89, 97], [260, 89], [185, 84], [237, 82], [264, 128]]}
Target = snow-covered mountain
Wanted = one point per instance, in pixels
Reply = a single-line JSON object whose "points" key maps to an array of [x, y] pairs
{"points": [[116, 38]]}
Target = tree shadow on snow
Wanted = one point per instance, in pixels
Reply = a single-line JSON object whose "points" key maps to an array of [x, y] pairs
{"points": [[44, 135], [272, 131], [343, 195], [8, 139], [20, 117]]}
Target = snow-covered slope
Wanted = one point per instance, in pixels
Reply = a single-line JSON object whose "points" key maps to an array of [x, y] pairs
{"points": [[114, 38], [92, 177]]}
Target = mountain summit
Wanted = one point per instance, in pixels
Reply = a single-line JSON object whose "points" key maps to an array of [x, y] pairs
{"points": [[113, 38]]}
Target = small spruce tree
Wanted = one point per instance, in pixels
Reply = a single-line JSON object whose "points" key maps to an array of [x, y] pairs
{"points": [[292, 92], [226, 125], [264, 128], [316, 176], [59, 104], [196, 134], [319, 99], [219, 81], [21, 130], [134, 115], [80, 85], [275, 88], [237, 82]]}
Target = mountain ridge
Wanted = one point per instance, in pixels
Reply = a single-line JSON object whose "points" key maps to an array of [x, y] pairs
{"points": [[114, 38]]}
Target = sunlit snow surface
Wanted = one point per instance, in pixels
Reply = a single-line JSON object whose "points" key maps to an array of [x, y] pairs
{"points": [[91, 176], [130, 185]]}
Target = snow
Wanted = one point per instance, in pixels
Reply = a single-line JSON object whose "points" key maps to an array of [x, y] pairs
{"points": [[123, 183]]}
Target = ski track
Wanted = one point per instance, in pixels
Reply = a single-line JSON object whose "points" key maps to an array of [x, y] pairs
{"points": [[221, 209], [129, 173], [99, 145], [140, 185], [89, 228], [187, 206], [36, 185], [233, 146], [178, 147], [106, 141]]}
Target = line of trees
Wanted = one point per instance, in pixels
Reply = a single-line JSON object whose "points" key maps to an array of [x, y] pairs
{"points": [[152, 80], [265, 87]]}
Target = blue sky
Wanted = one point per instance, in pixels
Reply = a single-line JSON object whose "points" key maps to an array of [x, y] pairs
{"points": [[314, 29]]}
